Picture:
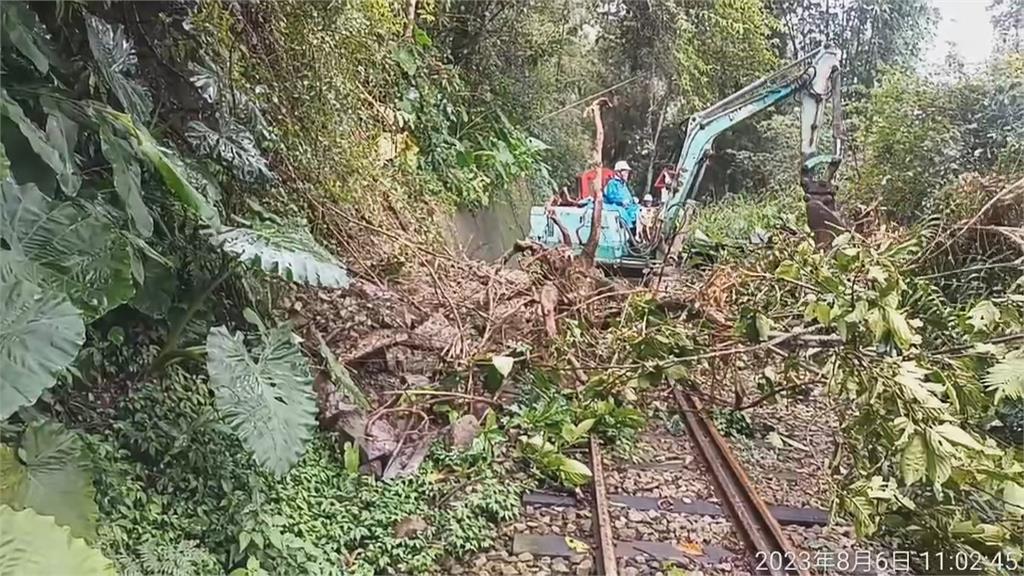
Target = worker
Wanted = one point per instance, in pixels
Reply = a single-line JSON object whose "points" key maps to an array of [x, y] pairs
{"points": [[617, 194]]}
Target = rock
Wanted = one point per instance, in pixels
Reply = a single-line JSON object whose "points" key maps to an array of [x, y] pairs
{"points": [[410, 526], [630, 571], [584, 567], [480, 561], [509, 570], [525, 557], [464, 431], [416, 381], [635, 516], [456, 569], [559, 566]]}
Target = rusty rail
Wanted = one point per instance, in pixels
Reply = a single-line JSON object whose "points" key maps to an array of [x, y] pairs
{"points": [[750, 516], [601, 518]]}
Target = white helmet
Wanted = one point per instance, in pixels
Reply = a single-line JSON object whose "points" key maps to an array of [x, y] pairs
{"points": [[622, 165]]}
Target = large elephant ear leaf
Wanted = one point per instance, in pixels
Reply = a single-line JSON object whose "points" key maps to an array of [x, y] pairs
{"points": [[63, 136], [287, 251], [115, 59], [81, 250], [234, 147], [127, 181], [49, 474], [35, 544], [176, 176], [40, 334], [266, 396], [25, 32], [58, 158]]}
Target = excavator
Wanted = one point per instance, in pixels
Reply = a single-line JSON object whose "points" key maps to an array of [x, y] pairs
{"points": [[813, 79]]}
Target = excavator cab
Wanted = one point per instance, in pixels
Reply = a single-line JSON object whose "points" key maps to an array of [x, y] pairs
{"points": [[616, 244]]}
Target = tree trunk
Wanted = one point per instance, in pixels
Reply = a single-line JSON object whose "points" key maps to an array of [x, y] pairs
{"points": [[654, 153], [590, 248], [410, 18]]}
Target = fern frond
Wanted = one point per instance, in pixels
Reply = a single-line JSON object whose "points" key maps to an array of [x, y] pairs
{"points": [[1006, 377]]}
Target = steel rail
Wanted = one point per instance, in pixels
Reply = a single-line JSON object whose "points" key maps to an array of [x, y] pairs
{"points": [[750, 516], [602, 520]]}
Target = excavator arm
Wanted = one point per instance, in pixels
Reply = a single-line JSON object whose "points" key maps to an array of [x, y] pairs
{"points": [[814, 79]]}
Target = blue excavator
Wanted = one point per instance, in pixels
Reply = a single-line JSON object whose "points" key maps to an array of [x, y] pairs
{"points": [[813, 79]]}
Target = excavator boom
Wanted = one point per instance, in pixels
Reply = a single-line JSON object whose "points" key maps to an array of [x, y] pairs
{"points": [[814, 79]]}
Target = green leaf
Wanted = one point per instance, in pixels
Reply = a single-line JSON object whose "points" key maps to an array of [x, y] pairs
{"points": [[1013, 495], [34, 545], [289, 252], [913, 460], [340, 376], [577, 546], [175, 177], [421, 37], [788, 269], [127, 181], [902, 335], [80, 250], [156, 294], [62, 134], [40, 334], [23, 28], [584, 427], [983, 315], [863, 513], [503, 364], [406, 58], [266, 396], [54, 479], [573, 472], [115, 60], [957, 435], [233, 147], [5, 164], [243, 540], [911, 378], [877, 273], [764, 326], [939, 458], [1006, 378], [41, 145], [859, 313], [351, 458]]}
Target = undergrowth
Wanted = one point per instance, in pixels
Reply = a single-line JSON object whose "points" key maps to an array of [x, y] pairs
{"points": [[178, 489], [741, 217]]}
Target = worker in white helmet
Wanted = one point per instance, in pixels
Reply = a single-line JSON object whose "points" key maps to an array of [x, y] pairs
{"points": [[617, 194]]}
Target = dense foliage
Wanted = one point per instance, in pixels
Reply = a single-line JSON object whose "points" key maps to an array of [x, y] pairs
{"points": [[918, 136]]}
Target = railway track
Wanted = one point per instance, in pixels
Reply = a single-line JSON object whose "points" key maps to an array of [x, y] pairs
{"points": [[611, 542], [757, 527]]}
